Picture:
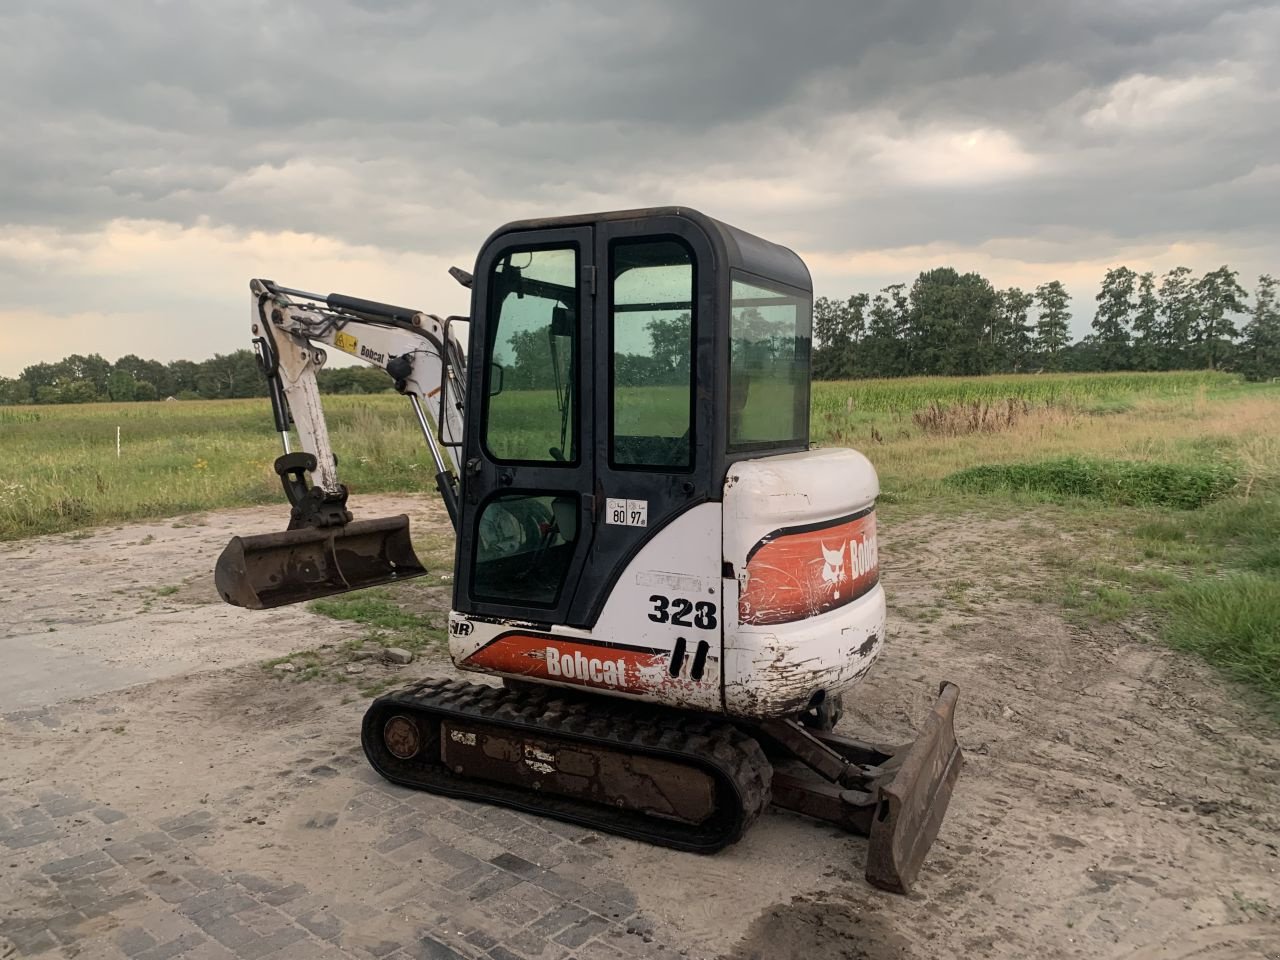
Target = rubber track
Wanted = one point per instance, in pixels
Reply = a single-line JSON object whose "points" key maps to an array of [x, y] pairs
{"points": [[742, 772]]}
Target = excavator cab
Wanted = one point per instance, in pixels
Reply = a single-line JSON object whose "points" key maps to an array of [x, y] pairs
{"points": [[630, 358]]}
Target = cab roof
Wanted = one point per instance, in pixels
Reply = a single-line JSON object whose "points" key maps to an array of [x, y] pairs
{"points": [[735, 248]]}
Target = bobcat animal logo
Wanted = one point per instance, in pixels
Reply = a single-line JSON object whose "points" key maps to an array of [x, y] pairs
{"points": [[833, 567]]}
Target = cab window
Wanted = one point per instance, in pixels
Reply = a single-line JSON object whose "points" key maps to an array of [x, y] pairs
{"points": [[651, 325], [769, 341], [531, 414]]}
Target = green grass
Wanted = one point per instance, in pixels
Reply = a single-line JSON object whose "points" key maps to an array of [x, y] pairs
{"points": [[1180, 485], [1114, 458], [1233, 621], [389, 623]]}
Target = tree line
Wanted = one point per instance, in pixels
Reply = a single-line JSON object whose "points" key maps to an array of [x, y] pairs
{"points": [[90, 379], [953, 324]]}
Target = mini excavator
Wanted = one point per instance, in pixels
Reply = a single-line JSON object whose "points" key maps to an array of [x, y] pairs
{"points": [[673, 585]]}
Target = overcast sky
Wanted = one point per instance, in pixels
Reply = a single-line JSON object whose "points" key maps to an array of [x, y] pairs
{"points": [[154, 156]]}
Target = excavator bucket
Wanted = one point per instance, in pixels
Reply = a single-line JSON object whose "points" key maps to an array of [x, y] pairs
{"points": [[911, 805], [275, 569]]}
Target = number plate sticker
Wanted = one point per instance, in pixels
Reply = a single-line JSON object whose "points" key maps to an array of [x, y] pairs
{"points": [[345, 342], [626, 513]]}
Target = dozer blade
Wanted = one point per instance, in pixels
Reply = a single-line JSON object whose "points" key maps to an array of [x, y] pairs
{"points": [[911, 806], [275, 569]]}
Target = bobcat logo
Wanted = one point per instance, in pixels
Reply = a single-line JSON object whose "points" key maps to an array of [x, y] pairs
{"points": [[833, 567]]}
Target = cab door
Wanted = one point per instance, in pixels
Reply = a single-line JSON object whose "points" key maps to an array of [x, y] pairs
{"points": [[653, 340], [527, 515]]}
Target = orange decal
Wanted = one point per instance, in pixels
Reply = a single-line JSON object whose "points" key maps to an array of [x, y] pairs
{"points": [[567, 661], [801, 572]]}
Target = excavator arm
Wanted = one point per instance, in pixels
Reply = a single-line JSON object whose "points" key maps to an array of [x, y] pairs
{"points": [[324, 551]]}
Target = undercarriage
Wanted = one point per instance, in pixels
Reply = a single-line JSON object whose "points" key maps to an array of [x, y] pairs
{"points": [[688, 781]]}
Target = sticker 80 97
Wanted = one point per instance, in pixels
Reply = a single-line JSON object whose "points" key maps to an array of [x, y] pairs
{"points": [[626, 513]]}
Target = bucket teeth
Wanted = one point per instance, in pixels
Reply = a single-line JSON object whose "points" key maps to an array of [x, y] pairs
{"points": [[275, 569]]}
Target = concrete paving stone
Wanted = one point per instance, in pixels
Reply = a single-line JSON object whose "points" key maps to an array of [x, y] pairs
{"points": [[114, 904], [599, 904], [28, 838], [134, 940], [582, 931], [164, 924], [29, 937], [481, 940], [597, 950], [264, 920], [465, 879], [305, 904], [191, 818], [79, 893], [538, 853], [30, 815], [67, 867], [283, 895], [379, 950], [156, 842], [173, 948], [429, 947], [515, 864], [229, 932], [554, 883], [310, 950], [453, 857], [502, 953], [378, 797], [96, 948], [397, 840], [65, 806], [323, 925], [202, 878], [413, 851], [495, 883], [209, 951], [107, 815], [169, 888], [214, 904], [270, 945], [128, 852], [535, 947], [556, 920]]}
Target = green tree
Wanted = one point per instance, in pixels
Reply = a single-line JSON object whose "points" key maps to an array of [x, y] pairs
{"points": [[146, 390], [671, 349], [93, 369], [883, 352], [1053, 324], [1218, 296], [1178, 311], [952, 322], [1012, 335], [1262, 333], [121, 386], [14, 391], [181, 377], [1116, 305], [1146, 325]]}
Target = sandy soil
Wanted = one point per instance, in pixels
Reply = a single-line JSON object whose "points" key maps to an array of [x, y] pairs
{"points": [[1119, 800]]}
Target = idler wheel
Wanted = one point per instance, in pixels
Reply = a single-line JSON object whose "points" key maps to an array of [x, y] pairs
{"points": [[400, 734]]}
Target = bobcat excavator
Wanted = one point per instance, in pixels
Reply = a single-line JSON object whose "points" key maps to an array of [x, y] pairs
{"points": [[674, 586]]}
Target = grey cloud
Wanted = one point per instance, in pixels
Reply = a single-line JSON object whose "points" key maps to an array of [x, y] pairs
{"points": [[407, 124]]}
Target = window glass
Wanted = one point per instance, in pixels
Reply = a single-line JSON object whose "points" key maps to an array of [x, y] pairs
{"points": [[524, 545], [769, 338], [652, 318], [532, 412]]}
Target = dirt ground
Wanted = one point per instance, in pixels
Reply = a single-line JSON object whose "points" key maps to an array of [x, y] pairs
{"points": [[1118, 799]]}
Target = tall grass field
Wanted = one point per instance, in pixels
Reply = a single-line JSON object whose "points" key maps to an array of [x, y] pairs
{"points": [[1183, 467]]}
